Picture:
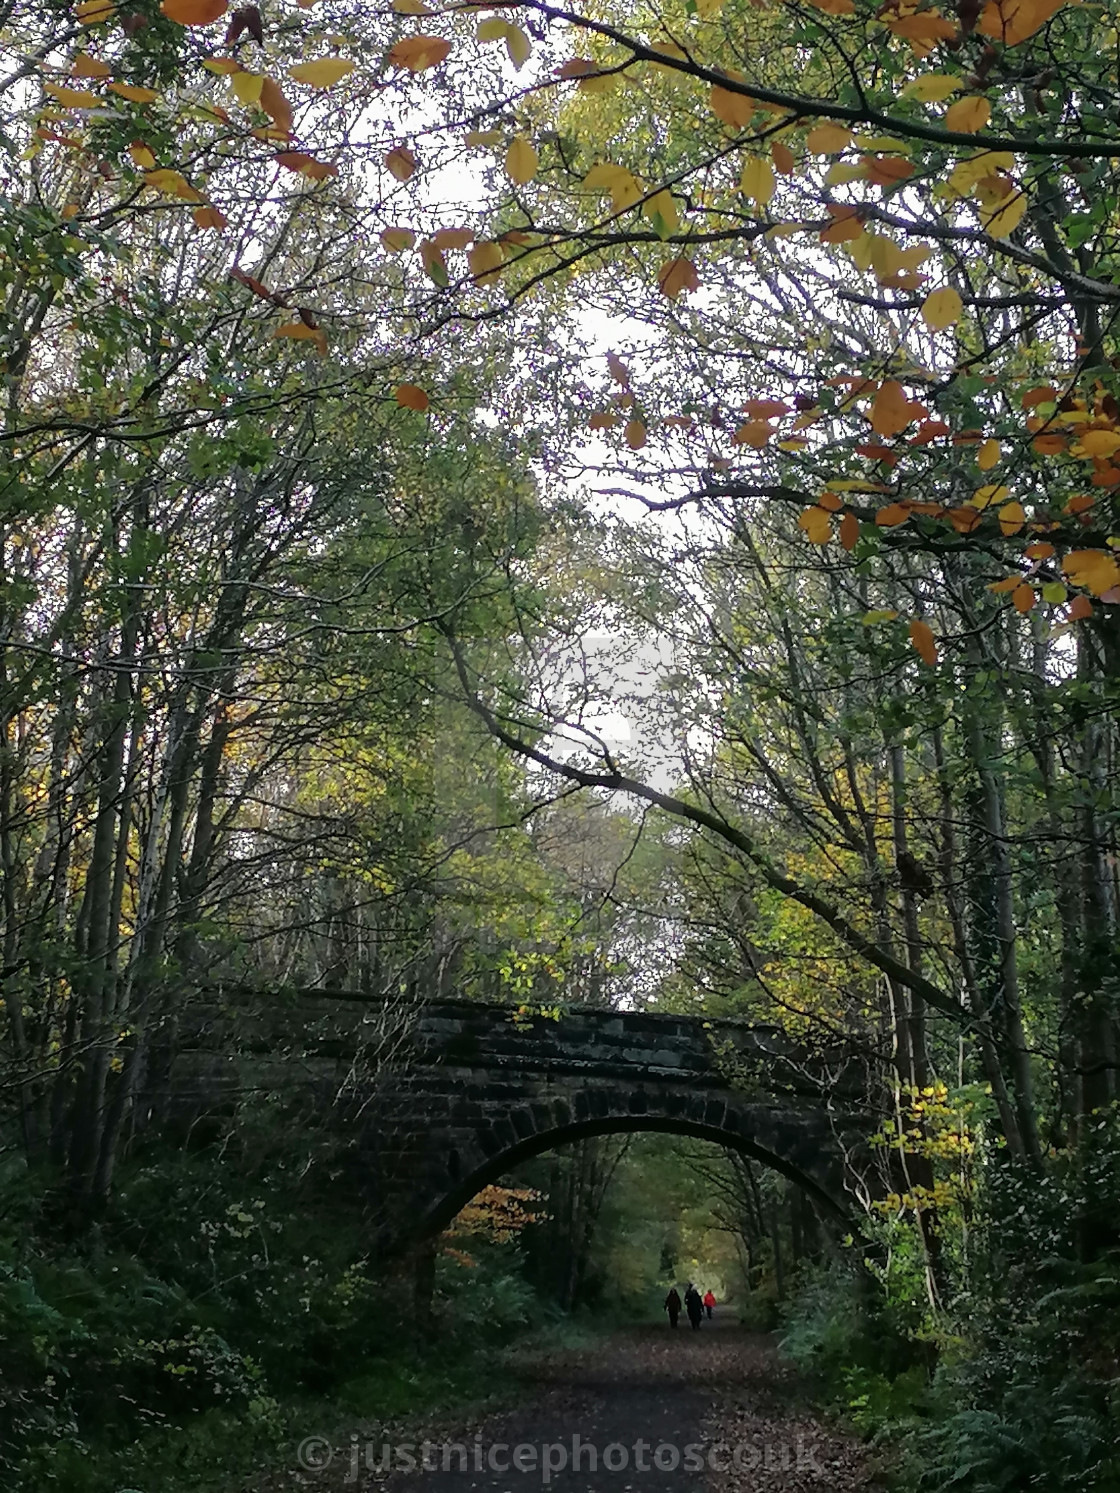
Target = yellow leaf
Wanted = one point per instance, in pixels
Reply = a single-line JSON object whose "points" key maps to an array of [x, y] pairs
{"points": [[828, 139], [142, 156], [942, 308], [662, 213], [221, 65], [622, 185], [890, 410], [247, 87], [73, 98], [968, 115], [1100, 443], [94, 12], [134, 93], [931, 88], [984, 497], [988, 456], [758, 181], [411, 8], [921, 636], [412, 397], [85, 66], [324, 73], [816, 524], [482, 137], [842, 172], [1012, 517], [416, 53], [521, 162], [1004, 220], [173, 183], [486, 261], [194, 12], [676, 276]]}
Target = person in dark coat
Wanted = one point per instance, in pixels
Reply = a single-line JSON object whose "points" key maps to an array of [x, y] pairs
{"points": [[673, 1306], [693, 1305]]}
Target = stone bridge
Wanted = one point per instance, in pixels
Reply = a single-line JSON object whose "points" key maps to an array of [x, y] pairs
{"points": [[423, 1104]]}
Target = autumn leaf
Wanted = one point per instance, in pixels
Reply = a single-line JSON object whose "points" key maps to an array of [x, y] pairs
{"points": [[921, 637], [194, 12], [324, 73], [1004, 220], [85, 66], [299, 331], [849, 531], [733, 109], [73, 98], [1094, 570], [783, 158], [634, 434], [942, 308], [412, 397], [1013, 21], [891, 411], [757, 181], [134, 93], [276, 105], [1099, 443], [677, 276], [396, 240], [931, 88], [662, 213], [209, 217], [988, 455], [522, 162], [828, 139], [968, 115], [400, 162], [816, 523], [486, 261], [416, 53]]}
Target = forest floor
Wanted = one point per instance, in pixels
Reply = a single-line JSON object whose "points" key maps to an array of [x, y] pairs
{"points": [[708, 1411]]}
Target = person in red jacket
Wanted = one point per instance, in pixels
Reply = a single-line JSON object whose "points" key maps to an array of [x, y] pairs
{"points": [[709, 1302]]}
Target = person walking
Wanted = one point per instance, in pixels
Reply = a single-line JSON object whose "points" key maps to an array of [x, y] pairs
{"points": [[709, 1302], [673, 1306], [693, 1306]]}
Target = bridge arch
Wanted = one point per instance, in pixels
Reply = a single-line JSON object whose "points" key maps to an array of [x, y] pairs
{"points": [[477, 1143]]}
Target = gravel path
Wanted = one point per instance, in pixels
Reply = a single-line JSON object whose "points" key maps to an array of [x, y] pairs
{"points": [[711, 1411]]}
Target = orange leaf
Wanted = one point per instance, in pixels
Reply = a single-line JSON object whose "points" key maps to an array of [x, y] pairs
{"points": [[209, 217], [816, 524], [412, 397], [890, 410], [194, 12], [1012, 21], [676, 276], [419, 52], [299, 331], [783, 158], [1023, 597], [849, 531], [1080, 608], [884, 171], [733, 109], [635, 434], [276, 105], [921, 636], [1050, 444]]}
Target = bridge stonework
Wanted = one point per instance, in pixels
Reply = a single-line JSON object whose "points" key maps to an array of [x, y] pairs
{"points": [[424, 1104]]}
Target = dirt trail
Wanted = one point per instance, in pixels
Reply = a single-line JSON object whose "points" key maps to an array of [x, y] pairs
{"points": [[711, 1411]]}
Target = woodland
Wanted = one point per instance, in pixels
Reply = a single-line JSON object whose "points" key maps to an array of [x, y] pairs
{"points": [[397, 398]]}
